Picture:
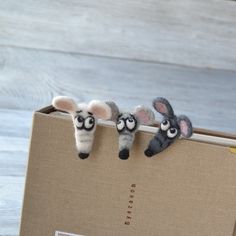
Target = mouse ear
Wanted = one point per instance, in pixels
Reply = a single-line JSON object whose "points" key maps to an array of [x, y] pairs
{"points": [[114, 110], [100, 109], [185, 126], [163, 106], [64, 103], [145, 115]]}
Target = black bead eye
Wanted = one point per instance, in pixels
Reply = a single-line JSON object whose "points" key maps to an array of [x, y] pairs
{"points": [[79, 121], [172, 132], [165, 125], [120, 125], [89, 122], [130, 123]]}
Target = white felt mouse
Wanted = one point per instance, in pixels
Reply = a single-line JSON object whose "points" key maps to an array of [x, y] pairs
{"points": [[84, 118]]}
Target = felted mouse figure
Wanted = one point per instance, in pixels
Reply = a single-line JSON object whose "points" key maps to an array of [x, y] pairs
{"points": [[84, 118], [171, 127], [127, 124]]}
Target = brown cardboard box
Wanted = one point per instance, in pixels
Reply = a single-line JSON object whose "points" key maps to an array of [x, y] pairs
{"points": [[189, 189]]}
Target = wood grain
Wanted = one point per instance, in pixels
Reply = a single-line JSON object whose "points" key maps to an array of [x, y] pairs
{"points": [[188, 32], [11, 196], [14, 142], [29, 79], [127, 51]]}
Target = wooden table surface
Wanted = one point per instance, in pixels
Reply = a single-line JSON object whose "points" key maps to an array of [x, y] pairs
{"points": [[126, 51]]}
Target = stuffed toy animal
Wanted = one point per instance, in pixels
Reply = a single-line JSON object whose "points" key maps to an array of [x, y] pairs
{"points": [[84, 118], [127, 124], [171, 127]]}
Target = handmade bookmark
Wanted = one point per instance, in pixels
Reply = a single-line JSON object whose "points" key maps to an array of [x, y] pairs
{"points": [[127, 124], [171, 127], [84, 118]]}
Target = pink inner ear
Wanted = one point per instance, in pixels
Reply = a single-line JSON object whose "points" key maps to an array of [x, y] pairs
{"points": [[100, 112], [100, 109], [65, 105], [160, 107], [142, 115], [183, 128]]}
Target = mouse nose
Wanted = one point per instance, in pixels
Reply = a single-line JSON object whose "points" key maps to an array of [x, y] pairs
{"points": [[148, 153], [124, 154], [83, 155]]}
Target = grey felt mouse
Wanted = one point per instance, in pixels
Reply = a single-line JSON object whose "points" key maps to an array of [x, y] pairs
{"points": [[171, 127], [127, 124]]}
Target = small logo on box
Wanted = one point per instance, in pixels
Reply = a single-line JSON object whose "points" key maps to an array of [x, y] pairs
{"points": [[130, 204], [58, 233]]}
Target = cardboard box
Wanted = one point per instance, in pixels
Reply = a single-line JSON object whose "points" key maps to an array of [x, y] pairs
{"points": [[189, 189]]}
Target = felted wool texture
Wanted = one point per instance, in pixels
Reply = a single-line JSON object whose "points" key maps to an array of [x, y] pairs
{"points": [[171, 127], [84, 131], [144, 115], [84, 117], [126, 141], [127, 124], [114, 110]]}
